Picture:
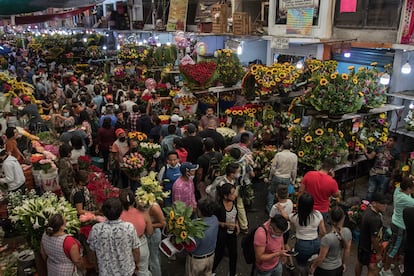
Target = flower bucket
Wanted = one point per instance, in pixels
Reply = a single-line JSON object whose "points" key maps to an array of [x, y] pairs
{"points": [[169, 248], [49, 182], [36, 177], [191, 246]]}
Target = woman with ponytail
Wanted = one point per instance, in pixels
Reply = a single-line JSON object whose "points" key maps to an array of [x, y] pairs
{"points": [[60, 250], [143, 226], [335, 248]]}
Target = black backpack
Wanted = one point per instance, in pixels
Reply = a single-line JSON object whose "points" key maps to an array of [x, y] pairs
{"points": [[247, 245], [213, 170]]}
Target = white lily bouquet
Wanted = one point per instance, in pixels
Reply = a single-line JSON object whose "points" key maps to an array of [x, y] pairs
{"points": [[32, 214], [409, 120], [227, 133], [150, 190], [149, 150]]}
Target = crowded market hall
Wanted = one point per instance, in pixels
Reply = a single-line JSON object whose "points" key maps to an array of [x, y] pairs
{"points": [[202, 137]]}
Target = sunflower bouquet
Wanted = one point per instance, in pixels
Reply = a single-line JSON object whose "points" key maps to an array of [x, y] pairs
{"points": [[320, 143], [229, 68], [150, 190], [333, 93], [140, 136], [279, 78], [180, 225]]}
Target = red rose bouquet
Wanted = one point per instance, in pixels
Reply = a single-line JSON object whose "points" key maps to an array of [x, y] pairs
{"points": [[200, 75]]}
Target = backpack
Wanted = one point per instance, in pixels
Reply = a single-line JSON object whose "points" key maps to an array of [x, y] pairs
{"points": [[213, 170], [247, 245]]}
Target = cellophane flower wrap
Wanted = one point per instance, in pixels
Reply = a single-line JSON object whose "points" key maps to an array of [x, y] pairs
{"points": [[200, 75], [41, 162], [150, 190], [33, 211], [180, 225], [133, 164]]}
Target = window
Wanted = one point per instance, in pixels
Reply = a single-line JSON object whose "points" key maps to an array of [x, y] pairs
{"points": [[370, 14]]}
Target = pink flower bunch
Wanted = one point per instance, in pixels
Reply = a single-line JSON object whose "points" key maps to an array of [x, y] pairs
{"points": [[133, 164]]}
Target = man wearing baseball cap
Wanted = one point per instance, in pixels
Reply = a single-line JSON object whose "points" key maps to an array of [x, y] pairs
{"points": [[174, 120], [118, 150], [183, 188], [371, 230]]}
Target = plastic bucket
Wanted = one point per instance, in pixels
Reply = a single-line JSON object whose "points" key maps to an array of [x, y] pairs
{"points": [[49, 182]]}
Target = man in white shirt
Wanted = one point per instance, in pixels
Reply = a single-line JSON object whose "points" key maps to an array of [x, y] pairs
{"points": [[13, 172], [283, 171]]}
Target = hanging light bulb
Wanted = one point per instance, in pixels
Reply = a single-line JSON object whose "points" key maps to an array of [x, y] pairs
{"points": [[385, 79], [239, 50], [299, 65], [347, 54], [411, 106], [406, 68]]}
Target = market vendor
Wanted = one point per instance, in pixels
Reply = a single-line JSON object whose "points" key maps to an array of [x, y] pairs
{"points": [[11, 144], [13, 172], [32, 111]]}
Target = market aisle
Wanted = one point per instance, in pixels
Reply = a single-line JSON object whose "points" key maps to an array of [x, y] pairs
{"points": [[256, 217]]}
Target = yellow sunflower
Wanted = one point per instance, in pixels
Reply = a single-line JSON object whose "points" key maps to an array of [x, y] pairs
{"points": [[361, 94], [222, 124], [278, 80], [323, 82], [172, 214], [351, 68], [371, 139], [341, 134], [234, 112], [333, 76], [374, 63], [355, 80], [240, 113], [405, 168], [330, 130], [282, 75], [227, 112], [344, 76], [183, 235], [382, 116], [180, 220], [301, 153], [379, 143], [319, 132], [296, 121], [308, 139]]}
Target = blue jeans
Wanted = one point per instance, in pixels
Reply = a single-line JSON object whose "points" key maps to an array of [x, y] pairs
{"points": [[276, 271], [306, 249], [154, 258], [274, 183], [377, 183]]}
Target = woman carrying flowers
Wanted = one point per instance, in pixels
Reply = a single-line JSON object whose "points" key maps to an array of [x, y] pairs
{"points": [[143, 225], [60, 250]]}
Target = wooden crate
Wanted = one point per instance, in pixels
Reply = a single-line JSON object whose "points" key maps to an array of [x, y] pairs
{"points": [[219, 14], [241, 23]]}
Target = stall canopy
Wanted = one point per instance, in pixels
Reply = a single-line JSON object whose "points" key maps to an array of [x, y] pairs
{"points": [[12, 7], [32, 19]]}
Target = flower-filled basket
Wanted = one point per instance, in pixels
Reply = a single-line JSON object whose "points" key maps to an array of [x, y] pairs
{"points": [[181, 229], [229, 68]]}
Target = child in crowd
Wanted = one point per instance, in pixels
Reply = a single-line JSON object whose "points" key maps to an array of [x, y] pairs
{"points": [[283, 202]]}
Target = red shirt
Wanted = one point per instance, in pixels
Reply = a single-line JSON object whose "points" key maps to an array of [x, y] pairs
{"points": [[321, 186]]}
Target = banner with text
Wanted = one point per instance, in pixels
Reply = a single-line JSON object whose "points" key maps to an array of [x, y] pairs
{"points": [[178, 15]]}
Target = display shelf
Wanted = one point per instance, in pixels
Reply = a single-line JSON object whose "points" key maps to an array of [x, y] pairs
{"points": [[406, 95], [404, 131], [350, 116]]}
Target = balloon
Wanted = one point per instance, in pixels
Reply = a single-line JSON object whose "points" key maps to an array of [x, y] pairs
{"points": [[150, 84], [179, 36], [201, 48]]}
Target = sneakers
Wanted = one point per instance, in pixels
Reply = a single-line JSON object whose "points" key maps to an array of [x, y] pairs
{"points": [[386, 272]]}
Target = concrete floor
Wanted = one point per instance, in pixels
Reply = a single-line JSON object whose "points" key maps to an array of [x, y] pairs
{"points": [[257, 217]]}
